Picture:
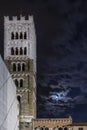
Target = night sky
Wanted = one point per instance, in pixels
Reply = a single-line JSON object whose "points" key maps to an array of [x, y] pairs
{"points": [[61, 28]]}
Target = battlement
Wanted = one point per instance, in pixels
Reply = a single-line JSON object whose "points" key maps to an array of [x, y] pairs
{"points": [[52, 122], [16, 18]]}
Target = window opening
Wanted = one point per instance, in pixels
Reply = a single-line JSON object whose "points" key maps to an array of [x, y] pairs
{"points": [[16, 35], [12, 51], [21, 35], [16, 51], [12, 35], [25, 35], [23, 67], [16, 82], [21, 82], [14, 67], [19, 67], [25, 51], [21, 51]]}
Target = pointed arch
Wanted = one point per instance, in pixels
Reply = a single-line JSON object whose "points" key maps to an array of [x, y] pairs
{"points": [[16, 51], [25, 35], [19, 67], [21, 35], [14, 67], [16, 35], [21, 82], [21, 51], [12, 35], [12, 51], [25, 50]]}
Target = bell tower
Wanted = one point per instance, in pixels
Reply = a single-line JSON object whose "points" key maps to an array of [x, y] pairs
{"points": [[20, 58]]}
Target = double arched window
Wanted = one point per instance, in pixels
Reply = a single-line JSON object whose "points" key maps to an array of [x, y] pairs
{"points": [[18, 82]]}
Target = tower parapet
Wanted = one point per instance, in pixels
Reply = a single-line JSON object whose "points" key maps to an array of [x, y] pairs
{"points": [[21, 18]]}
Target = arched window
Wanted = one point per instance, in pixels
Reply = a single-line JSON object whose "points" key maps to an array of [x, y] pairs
{"points": [[23, 67], [56, 128], [21, 51], [14, 67], [46, 128], [12, 35], [25, 50], [21, 82], [25, 35], [16, 82], [12, 51], [37, 128], [60, 128], [21, 35], [16, 51], [41, 128], [16, 35], [65, 128], [19, 99], [19, 67]]}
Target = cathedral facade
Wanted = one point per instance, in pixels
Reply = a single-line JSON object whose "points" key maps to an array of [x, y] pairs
{"points": [[20, 58]]}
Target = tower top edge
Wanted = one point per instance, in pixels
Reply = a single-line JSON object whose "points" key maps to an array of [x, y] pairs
{"points": [[18, 18]]}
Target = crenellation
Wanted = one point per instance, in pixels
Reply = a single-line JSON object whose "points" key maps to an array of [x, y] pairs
{"points": [[14, 18], [22, 17], [6, 18]]}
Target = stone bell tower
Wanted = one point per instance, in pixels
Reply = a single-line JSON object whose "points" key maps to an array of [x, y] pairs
{"points": [[20, 58]]}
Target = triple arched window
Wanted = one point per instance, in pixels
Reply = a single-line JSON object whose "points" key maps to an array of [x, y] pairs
{"points": [[18, 35], [19, 51], [19, 82], [19, 66]]}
